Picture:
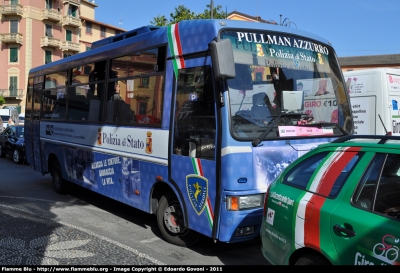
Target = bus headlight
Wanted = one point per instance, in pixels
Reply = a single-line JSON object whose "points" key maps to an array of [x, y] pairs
{"points": [[244, 202]]}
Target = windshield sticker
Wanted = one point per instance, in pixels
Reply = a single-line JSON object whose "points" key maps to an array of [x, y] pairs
{"points": [[304, 131], [279, 51], [282, 41]]}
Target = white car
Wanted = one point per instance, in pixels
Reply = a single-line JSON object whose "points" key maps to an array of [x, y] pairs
{"points": [[5, 121]]}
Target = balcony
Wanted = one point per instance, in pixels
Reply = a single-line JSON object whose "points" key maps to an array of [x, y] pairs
{"points": [[75, 2], [49, 41], [69, 20], [16, 93], [7, 10], [51, 14], [69, 46], [11, 38]]}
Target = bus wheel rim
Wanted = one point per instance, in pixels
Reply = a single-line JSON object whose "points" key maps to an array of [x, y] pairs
{"points": [[173, 219]]}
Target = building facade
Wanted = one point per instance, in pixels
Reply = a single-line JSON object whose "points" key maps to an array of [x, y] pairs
{"points": [[368, 62], [36, 32]]}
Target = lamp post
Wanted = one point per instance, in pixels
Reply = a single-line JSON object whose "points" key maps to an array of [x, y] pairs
{"points": [[212, 9]]}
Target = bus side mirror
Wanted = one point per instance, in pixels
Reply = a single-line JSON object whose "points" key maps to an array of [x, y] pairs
{"points": [[222, 59]]}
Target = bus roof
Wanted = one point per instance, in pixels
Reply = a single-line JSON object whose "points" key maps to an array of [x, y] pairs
{"points": [[191, 32]]}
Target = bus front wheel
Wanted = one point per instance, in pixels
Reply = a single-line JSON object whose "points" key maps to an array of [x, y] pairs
{"points": [[171, 222], [59, 184]]}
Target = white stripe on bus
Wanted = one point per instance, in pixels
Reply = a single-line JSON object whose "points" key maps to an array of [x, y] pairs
{"points": [[113, 152], [235, 150]]}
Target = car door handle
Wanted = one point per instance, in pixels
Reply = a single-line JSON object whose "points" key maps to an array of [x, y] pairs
{"points": [[349, 232]]}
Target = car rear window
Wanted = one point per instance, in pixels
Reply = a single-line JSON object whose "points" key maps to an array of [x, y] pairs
{"points": [[324, 173]]}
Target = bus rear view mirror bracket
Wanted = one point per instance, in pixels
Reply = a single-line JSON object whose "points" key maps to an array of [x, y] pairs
{"points": [[222, 58]]}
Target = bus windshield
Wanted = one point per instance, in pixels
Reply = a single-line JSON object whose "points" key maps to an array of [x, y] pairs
{"points": [[290, 83]]}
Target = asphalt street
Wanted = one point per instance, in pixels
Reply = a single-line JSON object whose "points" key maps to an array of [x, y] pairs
{"points": [[41, 227]]}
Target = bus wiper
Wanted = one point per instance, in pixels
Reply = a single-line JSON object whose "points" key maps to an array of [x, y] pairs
{"points": [[271, 125]]}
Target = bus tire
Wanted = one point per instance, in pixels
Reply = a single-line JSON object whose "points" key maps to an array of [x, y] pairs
{"points": [[171, 222], [312, 259], [59, 184]]}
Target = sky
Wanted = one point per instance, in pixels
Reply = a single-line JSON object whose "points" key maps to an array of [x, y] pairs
{"points": [[354, 27]]}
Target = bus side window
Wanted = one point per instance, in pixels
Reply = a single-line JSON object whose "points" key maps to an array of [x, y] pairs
{"points": [[195, 119], [78, 104]]}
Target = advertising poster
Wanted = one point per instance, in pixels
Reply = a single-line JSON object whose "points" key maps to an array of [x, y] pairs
{"points": [[364, 114], [358, 84], [395, 115], [315, 87], [104, 173], [393, 82], [270, 161]]}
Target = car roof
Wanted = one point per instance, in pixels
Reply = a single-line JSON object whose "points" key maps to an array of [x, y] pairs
{"points": [[371, 141]]}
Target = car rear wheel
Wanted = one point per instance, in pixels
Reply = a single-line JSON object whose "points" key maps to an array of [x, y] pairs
{"points": [[17, 157], [312, 259], [60, 185], [171, 222], [2, 153]]}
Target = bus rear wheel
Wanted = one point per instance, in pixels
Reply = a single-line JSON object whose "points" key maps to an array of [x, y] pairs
{"points": [[59, 184], [171, 222]]}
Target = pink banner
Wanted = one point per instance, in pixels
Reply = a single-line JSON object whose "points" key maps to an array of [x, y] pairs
{"points": [[303, 131]]}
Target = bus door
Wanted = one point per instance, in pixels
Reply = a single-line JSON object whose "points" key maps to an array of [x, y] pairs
{"points": [[194, 139], [35, 127]]}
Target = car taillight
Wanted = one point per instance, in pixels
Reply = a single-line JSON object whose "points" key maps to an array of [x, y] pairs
{"points": [[265, 202]]}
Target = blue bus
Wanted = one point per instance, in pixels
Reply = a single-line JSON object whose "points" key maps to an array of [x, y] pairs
{"points": [[190, 122]]}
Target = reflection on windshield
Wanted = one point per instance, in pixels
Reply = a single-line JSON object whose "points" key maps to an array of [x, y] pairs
{"points": [[280, 80]]}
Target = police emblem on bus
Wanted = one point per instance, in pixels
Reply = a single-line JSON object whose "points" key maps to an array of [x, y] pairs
{"points": [[197, 188], [149, 143]]}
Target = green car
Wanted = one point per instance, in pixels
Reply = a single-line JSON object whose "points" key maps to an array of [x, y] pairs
{"points": [[337, 204]]}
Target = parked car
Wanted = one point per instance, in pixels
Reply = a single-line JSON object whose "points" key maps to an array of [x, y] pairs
{"points": [[12, 143], [337, 204], [21, 119]]}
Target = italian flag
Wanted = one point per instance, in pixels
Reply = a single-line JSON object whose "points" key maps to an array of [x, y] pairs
{"points": [[307, 232], [198, 170], [175, 48]]}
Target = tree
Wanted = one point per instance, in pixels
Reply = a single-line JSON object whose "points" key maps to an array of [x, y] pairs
{"points": [[160, 20], [183, 13], [2, 101], [218, 13]]}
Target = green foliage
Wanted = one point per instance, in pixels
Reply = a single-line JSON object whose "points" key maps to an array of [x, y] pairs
{"points": [[218, 13], [183, 13], [2, 101]]}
